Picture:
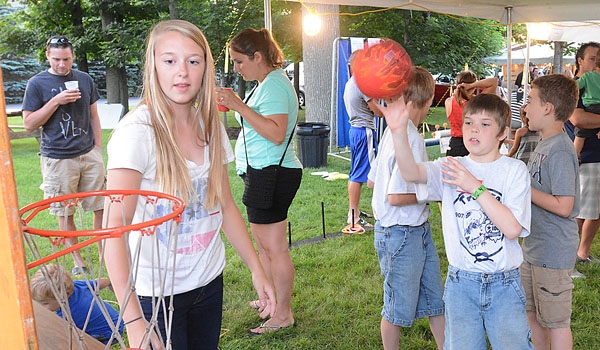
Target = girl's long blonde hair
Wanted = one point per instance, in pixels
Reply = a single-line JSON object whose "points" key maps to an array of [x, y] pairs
{"points": [[172, 174]]}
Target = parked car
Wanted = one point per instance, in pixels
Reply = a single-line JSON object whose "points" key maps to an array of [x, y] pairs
{"points": [[289, 70], [444, 86], [301, 99]]}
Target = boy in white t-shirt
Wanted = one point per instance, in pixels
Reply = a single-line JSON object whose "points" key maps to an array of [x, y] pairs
{"points": [[485, 209], [407, 255]]}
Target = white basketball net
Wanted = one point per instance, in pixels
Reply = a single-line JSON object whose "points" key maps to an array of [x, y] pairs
{"points": [[44, 249]]}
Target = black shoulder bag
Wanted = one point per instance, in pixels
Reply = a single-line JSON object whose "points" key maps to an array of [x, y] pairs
{"points": [[260, 184]]}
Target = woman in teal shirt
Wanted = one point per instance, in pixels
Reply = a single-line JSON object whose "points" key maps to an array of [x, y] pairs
{"points": [[268, 117]]}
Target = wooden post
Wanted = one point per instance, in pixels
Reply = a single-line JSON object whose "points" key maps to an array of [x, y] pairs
{"points": [[17, 322]]}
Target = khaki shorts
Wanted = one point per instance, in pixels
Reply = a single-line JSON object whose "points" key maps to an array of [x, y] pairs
{"points": [[549, 294], [80, 174]]}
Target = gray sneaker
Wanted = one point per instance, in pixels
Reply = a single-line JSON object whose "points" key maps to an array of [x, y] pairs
{"points": [[589, 260], [80, 271], [577, 274]]}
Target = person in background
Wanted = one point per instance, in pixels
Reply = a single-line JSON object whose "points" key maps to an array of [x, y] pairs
{"points": [[173, 142], [525, 140], [550, 250], [268, 118], [71, 142], [535, 73], [467, 85], [589, 83], [588, 219], [516, 103], [486, 208], [519, 80], [363, 145], [80, 299], [408, 258]]}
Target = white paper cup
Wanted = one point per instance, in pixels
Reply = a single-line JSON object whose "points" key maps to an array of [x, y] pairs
{"points": [[71, 85]]}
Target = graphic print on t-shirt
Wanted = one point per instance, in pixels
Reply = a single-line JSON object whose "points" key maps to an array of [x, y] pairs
{"points": [[66, 122], [198, 226], [481, 238], [535, 166]]}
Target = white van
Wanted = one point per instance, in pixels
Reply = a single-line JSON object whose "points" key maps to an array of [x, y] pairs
{"points": [[289, 70]]}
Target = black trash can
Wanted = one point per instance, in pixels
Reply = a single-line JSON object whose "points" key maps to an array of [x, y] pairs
{"points": [[312, 140]]}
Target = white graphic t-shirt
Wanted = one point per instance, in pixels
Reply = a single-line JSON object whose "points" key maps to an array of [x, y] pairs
{"points": [[200, 253], [472, 241]]}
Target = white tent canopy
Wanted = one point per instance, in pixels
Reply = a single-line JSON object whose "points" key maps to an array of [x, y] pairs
{"points": [[538, 54], [521, 11], [565, 31]]}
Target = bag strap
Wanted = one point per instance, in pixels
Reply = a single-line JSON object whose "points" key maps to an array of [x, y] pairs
{"points": [[244, 132], [284, 151]]}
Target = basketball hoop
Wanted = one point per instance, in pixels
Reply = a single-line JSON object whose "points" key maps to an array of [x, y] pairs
{"points": [[161, 208], [29, 212]]}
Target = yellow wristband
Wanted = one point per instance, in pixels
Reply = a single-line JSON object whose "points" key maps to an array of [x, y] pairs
{"points": [[479, 191]]}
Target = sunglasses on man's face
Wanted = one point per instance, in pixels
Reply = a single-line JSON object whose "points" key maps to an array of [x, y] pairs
{"points": [[55, 41]]}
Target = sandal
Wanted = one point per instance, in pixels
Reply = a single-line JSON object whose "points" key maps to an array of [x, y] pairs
{"points": [[351, 229], [362, 222], [362, 214], [268, 328]]}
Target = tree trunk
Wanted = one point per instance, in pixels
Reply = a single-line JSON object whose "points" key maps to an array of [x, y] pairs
{"points": [[557, 63], [116, 86], [116, 77], [173, 11], [317, 53], [79, 29]]}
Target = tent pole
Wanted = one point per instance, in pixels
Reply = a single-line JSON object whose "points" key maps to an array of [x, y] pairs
{"points": [[334, 94], [268, 24], [526, 86], [508, 77]]}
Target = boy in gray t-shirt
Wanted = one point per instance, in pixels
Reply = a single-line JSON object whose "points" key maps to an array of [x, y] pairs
{"points": [[551, 248]]}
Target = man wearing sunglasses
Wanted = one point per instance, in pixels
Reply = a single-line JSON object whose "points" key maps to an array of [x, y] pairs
{"points": [[63, 102]]}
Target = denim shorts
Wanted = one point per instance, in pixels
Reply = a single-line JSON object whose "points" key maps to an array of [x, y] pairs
{"points": [[410, 266], [478, 304]]}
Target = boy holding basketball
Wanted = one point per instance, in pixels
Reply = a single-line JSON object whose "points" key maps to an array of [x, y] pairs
{"points": [[486, 207], [407, 255]]}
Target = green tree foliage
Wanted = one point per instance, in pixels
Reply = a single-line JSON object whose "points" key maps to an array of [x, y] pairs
{"points": [[437, 42], [440, 43], [221, 20], [287, 28], [27, 28]]}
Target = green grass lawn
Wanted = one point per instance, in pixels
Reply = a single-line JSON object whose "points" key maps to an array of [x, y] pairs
{"points": [[337, 295]]}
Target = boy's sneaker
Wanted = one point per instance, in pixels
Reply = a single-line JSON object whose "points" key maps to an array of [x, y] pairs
{"points": [[79, 271], [589, 260], [577, 274]]}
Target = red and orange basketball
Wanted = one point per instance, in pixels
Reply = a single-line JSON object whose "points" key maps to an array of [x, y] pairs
{"points": [[382, 70]]}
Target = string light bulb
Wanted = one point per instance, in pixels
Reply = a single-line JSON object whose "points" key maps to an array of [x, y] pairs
{"points": [[311, 23]]}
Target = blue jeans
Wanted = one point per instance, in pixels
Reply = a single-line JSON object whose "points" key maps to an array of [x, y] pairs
{"points": [[410, 266], [480, 303], [197, 317]]}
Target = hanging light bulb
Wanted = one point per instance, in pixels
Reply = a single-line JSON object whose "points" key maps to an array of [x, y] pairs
{"points": [[311, 23]]}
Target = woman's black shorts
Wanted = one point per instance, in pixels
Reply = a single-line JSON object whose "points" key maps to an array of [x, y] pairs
{"points": [[288, 183]]}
